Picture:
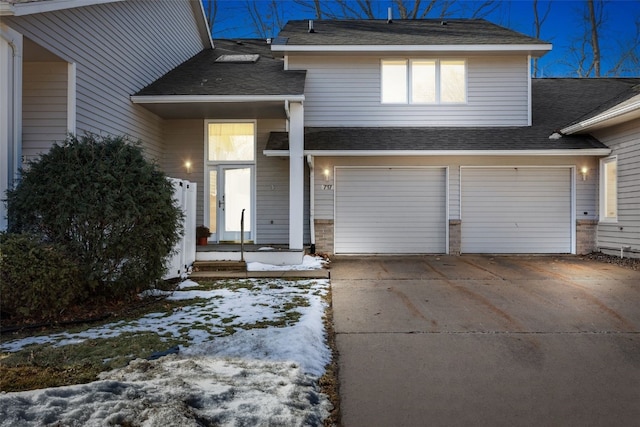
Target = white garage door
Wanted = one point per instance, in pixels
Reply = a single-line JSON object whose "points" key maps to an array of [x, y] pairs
{"points": [[516, 210], [390, 210]]}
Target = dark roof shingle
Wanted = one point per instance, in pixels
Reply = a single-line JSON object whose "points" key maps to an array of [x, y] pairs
{"points": [[202, 75], [401, 32]]}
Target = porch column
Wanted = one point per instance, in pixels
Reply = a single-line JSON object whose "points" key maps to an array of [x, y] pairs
{"points": [[296, 175], [10, 112]]}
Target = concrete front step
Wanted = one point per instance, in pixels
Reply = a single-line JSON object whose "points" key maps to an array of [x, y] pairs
{"points": [[284, 274], [211, 266]]}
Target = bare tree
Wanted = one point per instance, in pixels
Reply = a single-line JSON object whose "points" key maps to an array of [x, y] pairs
{"points": [[628, 62], [476, 10], [600, 50], [595, 18], [405, 9], [266, 19], [211, 11], [538, 21]]}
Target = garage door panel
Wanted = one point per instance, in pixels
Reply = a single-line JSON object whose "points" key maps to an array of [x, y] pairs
{"points": [[516, 210], [390, 210]]}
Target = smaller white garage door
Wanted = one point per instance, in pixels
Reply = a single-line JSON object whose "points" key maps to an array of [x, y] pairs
{"points": [[390, 210], [516, 210]]}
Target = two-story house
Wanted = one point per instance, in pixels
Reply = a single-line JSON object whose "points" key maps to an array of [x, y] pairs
{"points": [[374, 136], [420, 136]]}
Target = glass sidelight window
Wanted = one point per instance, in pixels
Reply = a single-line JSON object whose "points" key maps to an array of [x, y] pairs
{"points": [[609, 189]]}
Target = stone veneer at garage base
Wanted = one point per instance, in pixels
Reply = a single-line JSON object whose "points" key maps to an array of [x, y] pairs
{"points": [[585, 236]]}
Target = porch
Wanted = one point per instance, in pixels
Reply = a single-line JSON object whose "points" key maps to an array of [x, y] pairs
{"points": [[266, 254], [228, 261]]}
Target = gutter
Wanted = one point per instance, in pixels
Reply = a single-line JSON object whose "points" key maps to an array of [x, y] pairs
{"points": [[389, 153], [603, 117], [187, 99], [533, 49]]}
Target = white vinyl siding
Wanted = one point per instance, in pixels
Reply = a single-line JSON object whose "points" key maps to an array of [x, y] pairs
{"points": [[624, 140], [516, 210], [44, 106], [346, 91], [129, 45], [390, 210], [184, 142]]}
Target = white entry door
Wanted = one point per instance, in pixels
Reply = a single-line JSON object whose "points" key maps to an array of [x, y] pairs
{"points": [[230, 194]]}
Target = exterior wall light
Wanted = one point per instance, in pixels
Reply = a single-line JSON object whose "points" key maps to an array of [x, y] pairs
{"points": [[187, 166], [326, 172], [584, 171]]}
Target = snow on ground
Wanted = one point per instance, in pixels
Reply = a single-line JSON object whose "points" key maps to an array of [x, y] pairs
{"points": [[255, 376], [308, 263]]}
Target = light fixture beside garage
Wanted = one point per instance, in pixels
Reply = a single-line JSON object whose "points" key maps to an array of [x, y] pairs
{"points": [[187, 166], [584, 172], [326, 173]]}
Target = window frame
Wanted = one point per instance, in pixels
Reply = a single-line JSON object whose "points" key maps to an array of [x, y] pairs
{"points": [[409, 80], [605, 189], [230, 122]]}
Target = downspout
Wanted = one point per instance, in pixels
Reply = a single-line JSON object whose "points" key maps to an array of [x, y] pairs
{"points": [[312, 192]]}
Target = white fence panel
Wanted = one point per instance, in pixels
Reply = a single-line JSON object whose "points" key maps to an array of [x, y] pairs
{"points": [[184, 253]]}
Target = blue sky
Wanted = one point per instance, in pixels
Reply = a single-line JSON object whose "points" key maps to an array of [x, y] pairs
{"points": [[563, 28]]}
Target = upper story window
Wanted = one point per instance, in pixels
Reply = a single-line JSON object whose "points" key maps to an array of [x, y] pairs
{"points": [[609, 189], [423, 81]]}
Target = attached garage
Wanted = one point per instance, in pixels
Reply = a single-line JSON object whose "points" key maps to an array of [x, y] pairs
{"points": [[390, 210], [517, 210]]}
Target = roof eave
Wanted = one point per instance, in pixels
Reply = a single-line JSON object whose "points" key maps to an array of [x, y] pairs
{"points": [[614, 115], [21, 9], [530, 49], [186, 99], [202, 24], [377, 153]]}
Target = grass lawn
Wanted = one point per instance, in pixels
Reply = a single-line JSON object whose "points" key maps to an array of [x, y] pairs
{"points": [[258, 320]]}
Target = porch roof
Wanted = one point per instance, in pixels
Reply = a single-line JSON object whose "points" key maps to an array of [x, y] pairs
{"points": [[555, 102], [203, 86], [432, 141]]}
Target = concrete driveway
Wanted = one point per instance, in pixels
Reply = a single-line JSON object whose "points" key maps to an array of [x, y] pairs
{"points": [[481, 340]]}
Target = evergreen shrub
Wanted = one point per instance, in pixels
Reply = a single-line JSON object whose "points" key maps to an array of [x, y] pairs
{"points": [[107, 205], [37, 280]]}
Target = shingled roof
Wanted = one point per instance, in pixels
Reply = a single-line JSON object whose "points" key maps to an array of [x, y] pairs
{"points": [[202, 75], [607, 87], [401, 32], [556, 102]]}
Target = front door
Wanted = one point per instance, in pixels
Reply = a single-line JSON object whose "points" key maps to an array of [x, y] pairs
{"points": [[230, 195], [230, 165]]}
